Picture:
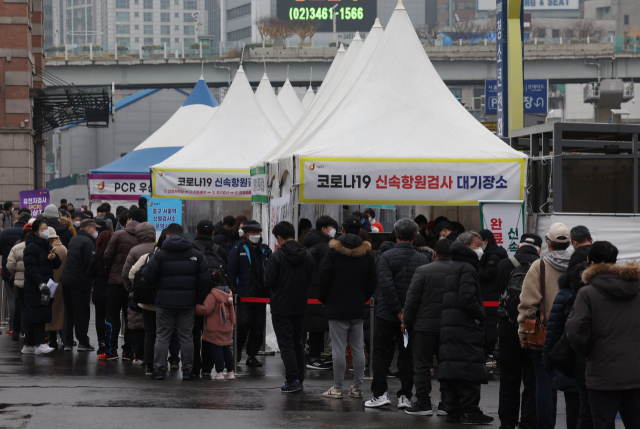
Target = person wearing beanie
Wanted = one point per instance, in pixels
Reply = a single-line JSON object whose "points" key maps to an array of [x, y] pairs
{"points": [[247, 263], [51, 216]]}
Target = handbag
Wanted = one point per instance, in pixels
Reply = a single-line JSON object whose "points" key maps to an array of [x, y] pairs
{"points": [[534, 325], [562, 356]]}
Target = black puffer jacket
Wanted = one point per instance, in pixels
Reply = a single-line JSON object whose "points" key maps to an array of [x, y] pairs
{"points": [[37, 269], [347, 278], [176, 270], [63, 232], [74, 276], [99, 274], [287, 277], [463, 319], [423, 307], [488, 277], [394, 277], [220, 236], [525, 253], [318, 244], [9, 237]]}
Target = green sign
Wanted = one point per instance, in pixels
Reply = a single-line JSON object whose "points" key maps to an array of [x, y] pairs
{"points": [[259, 191]]}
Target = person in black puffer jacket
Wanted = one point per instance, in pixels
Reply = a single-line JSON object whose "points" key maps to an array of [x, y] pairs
{"points": [[177, 270], [395, 270], [317, 242], [51, 216], [462, 362], [488, 277], [221, 232], [77, 286], [9, 237], [39, 263], [99, 275]]}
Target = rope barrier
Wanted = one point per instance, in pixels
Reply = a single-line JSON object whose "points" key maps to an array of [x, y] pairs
{"points": [[315, 301]]}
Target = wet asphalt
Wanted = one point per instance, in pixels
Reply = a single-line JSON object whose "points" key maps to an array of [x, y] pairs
{"points": [[73, 390]]}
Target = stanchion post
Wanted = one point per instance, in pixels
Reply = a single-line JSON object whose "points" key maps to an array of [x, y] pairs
{"points": [[372, 316], [4, 304], [236, 358], [122, 325]]}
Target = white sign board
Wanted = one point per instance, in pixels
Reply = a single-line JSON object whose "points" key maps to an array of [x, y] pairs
{"points": [[202, 185], [116, 186], [279, 209], [533, 5], [412, 181], [506, 220]]}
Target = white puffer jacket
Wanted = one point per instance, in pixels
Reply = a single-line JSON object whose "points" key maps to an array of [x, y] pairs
{"points": [[15, 264]]}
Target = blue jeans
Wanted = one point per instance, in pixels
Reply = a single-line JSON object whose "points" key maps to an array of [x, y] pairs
{"points": [[545, 403]]}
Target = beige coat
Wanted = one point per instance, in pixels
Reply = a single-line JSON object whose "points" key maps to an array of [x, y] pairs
{"points": [[15, 263], [57, 309]]}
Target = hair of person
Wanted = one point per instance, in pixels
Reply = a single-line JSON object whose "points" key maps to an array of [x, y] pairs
{"points": [[25, 234], [304, 223], [440, 219], [142, 202], [405, 229], [63, 213], [216, 278], [357, 214], [174, 229], [468, 236], [229, 221], [119, 210], [421, 219], [163, 236], [133, 207], [103, 241], [392, 237], [371, 212], [491, 239], [88, 213], [457, 226], [108, 206], [580, 234], [35, 228], [138, 216], [603, 252], [70, 204], [63, 201], [419, 241], [8, 205], [236, 227], [40, 216], [350, 229], [285, 230], [124, 217], [559, 246], [365, 235], [102, 208], [325, 222], [24, 211], [442, 248]]}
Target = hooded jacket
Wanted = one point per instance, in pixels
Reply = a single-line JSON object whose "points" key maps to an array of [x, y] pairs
{"points": [[605, 326], [63, 232], [423, 306], [117, 251], [15, 264], [106, 220], [79, 252], [37, 270], [462, 335], [318, 244], [220, 236], [287, 277], [394, 278], [176, 270], [246, 268], [347, 278], [8, 238], [219, 316], [146, 235]]}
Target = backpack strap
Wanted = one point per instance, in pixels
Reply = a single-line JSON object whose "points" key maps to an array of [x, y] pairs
{"points": [[514, 261], [542, 291]]}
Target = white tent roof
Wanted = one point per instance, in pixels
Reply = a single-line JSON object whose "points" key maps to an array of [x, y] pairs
{"points": [[238, 135], [267, 99], [290, 102], [399, 107], [308, 98]]}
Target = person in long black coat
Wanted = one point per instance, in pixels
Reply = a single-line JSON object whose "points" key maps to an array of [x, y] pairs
{"points": [[39, 263], [462, 362], [488, 276]]}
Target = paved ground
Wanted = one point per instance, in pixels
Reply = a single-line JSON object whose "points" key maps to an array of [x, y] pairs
{"points": [[71, 389]]}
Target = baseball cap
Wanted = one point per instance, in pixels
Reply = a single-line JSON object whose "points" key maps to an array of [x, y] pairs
{"points": [[205, 227], [533, 239], [559, 233], [352, 222], [88, 222]]}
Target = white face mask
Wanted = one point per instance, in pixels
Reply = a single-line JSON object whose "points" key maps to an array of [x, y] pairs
{"points": [[241, 233], [332, 233], [76, 224], [484, 247], [254, 239], [44, 234], [479, 252], [95, 234], [371, 220]]}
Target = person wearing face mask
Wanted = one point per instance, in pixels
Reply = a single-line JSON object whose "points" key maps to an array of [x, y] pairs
{"points": [[371, 215], [57, 308], [246, 267], [6, 216], [77, 286], [462, 333], [493, 254], [317, 242], [51, 216], [445, 230]]}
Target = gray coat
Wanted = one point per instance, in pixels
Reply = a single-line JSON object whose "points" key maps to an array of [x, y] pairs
{"points": [[423, 307], [146, 235]]}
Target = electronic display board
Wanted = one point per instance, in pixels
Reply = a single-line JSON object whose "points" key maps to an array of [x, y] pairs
{"points": [[351, 15]]}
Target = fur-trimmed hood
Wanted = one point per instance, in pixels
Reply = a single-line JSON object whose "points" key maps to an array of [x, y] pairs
{"points": [[350, 245], [618, 282]]}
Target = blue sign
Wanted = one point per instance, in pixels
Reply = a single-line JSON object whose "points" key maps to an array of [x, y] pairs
{"points": [[535, 96], [162, 212], [501, 102]]}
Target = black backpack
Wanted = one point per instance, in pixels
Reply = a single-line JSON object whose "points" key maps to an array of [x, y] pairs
{"points": [[215, 261], [510, 299], [143, 291]]}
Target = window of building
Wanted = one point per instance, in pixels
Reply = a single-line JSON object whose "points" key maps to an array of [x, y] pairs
{"points": [[457, 92], [555, 33], [164, 4], [124, 41], [542, 33], [568, 33], [188, 42], [148, 29], [122, 29], [177, 28], [122, 16], [626, 20], [135, 1], [177, 40], [148, 17], [136, 27], [245, 9], [243, 33], [187, 17], [68, 3], [189, 29], [165, 29], [166, 40], [122, 4], [190, 4], [148, 40], [136, 39], [148, 4], [136, 14], [177, 15], [165, 17], [177, 2]]}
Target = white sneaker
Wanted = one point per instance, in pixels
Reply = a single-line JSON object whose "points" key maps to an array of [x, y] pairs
{"points": [[230, 375], [28, 350], [43, 349], [218, 376], [403, 402], [378, 401]]}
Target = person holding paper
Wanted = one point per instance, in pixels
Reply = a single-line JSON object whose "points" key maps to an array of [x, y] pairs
{"points": [[57, 308]]}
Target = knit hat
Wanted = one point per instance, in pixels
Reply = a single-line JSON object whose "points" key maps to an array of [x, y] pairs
{"points": [[51, 212], [88, 223], [533, 239], [205, 227], [559, 233], [251, 226], [27, 226], [352, 224], [52, 233], [443, 225]]}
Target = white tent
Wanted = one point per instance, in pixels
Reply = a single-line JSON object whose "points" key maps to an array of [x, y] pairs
{"points": [[266, 97], [290, 102], [308, 98], [215, 164]]}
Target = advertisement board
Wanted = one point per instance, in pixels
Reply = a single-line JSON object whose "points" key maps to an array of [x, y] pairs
{"points": [[202, 184], [162, 212], [35, 201], [533, 5], [351, 15], [118, 186]]}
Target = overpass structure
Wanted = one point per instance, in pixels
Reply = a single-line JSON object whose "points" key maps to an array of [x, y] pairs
{"points": [[456, 65]]}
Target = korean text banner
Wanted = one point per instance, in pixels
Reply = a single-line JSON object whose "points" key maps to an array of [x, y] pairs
{"points": [[118, 186], [35, 201], [259, 192], [202, 185], [162, 212], [409, 181], [506, 220]]}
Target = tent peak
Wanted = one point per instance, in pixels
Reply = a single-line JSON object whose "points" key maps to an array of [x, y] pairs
{"points": [[357, 36], [400, 6], [240, 69], [377, 24], [264, 76], [201, 77], [342, 49]]}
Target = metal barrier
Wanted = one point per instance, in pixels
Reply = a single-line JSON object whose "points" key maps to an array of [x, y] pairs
{"points": [[4, 305]]}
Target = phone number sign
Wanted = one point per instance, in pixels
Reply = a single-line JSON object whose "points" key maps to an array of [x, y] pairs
{"points": [[351, 15]]}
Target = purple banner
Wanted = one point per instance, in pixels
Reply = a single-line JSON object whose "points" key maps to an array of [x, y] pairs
{"points": [[35, 201]]}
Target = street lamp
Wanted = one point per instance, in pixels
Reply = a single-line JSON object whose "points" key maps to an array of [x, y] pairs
{"points": [[195, 17]]}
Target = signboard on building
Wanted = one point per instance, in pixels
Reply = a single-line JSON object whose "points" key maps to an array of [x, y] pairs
{"points": [[202, 185], [162, 212], [536, 96], [533, 5], [351, 15], [35, 201], [118, 186], [506, 220]]}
